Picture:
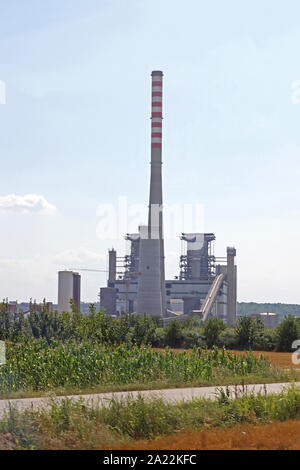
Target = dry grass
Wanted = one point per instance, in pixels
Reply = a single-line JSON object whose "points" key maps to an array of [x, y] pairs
{"points": [[281, 360], [273, 436]]}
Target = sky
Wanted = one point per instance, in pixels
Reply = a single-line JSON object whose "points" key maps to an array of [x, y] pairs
{"points": [[75, 136]]}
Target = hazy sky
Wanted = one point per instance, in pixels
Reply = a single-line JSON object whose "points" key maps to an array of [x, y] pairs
{"points": [[75, 133]]}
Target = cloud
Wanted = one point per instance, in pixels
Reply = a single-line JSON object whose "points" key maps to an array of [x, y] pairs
{"points": [[27, 204], [36, 276], [82, 257]]}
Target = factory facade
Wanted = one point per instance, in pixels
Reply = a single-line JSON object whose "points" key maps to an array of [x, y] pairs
{"points": [[205, 284]]}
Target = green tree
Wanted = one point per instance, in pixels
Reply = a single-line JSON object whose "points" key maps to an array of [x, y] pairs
{"points": [[144, 329], [287, 332], [173, 334], [212, 329], [246, 330]]}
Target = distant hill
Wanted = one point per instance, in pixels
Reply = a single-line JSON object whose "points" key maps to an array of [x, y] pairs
{"points": [[247, 308]]}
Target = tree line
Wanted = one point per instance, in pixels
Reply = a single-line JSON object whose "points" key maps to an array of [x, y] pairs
{"points": [[248, 333]]}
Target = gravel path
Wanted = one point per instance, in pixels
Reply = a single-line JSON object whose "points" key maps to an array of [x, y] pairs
{"points": [[169, 395]]}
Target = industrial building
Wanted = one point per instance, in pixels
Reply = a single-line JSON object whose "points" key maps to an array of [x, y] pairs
{"points": [[69, 283], [205, 284], [269, 319]]}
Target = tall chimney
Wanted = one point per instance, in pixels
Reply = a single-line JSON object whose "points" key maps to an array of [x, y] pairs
{"points": [[155, 217], [112, 264], [231, 289], [155, 199], [151, 296]]}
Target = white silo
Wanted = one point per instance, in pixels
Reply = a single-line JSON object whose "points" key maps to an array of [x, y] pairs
{"points": [[68, 288]]}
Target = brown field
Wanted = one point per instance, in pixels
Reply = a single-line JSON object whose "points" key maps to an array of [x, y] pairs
{"points": [[281, 360], [273, 436]]}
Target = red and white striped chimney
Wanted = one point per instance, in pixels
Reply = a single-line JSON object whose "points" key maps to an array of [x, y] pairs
{"points": [[155, 199], [155, 217], [151, 292], [156, 116]]}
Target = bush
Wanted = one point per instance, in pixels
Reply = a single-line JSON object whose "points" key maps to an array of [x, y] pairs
{"points": [[143, 330], [287, 332], [193, 337], [246, 330], [212, 328], [158, 340], [173, 334], [264, 340], [228, 339]]}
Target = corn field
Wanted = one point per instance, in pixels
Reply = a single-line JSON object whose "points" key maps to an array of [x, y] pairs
{"points": [[38, 365]]}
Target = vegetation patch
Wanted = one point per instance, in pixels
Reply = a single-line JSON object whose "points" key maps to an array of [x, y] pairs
{"points": [[43, 366], [70, 424]]}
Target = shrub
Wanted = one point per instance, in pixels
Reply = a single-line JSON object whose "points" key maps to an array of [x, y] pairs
{"points": [[212, 329], [246, 330], [287, 332], [264, 340], [193, 337], [228, 339], [173, 334], [158, 340], [20, 428], [143, 330]]}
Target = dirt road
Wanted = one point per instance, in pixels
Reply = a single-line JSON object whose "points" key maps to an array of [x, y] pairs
{"points": [[169, 395]]}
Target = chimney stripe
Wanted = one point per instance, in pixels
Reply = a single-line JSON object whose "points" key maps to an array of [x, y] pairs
{"points": [[156, 134], [156, 106]]}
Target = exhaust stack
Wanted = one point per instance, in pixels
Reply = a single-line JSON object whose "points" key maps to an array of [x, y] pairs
{"points": [[151, 297]]}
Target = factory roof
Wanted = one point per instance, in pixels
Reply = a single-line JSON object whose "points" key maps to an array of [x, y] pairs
{"points": [[268, 313]]}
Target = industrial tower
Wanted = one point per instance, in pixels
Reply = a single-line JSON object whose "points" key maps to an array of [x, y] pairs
{"points": [[206, 285], [151, 280]]}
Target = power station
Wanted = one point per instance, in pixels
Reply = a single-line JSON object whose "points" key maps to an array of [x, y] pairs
{"points": [[205, 285]]}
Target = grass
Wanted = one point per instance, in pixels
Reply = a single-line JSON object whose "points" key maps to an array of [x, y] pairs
{"points": [[273, 436], [70, 424], [38, 368], [273, 376]]}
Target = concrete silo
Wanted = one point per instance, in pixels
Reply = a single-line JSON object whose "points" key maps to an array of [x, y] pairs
{"points": [[69, 285]]}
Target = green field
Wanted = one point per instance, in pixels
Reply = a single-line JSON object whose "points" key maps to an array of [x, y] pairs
{"points": [[37, 366]]}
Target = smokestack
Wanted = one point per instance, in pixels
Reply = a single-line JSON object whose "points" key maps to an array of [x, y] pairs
{"points": [[112, 264], [231, 289], [155, 200], [151, 296]]}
